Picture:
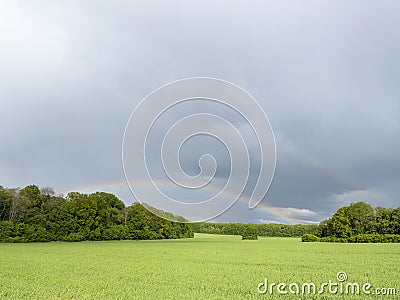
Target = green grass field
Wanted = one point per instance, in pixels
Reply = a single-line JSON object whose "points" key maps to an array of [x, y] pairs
{"points": [[206, 267]]}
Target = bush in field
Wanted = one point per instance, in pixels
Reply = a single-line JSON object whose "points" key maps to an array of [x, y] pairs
{"points": [[375, 238], [361, 238], [333, 239], [309, 238], [366, 238]]}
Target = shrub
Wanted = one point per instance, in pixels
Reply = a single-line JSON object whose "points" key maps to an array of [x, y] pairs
{"points": [[333, 239], [375, 238], [360, 238], [309, 238]]}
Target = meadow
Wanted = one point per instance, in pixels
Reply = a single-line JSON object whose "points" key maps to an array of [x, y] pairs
{"points": [[206, 267]]}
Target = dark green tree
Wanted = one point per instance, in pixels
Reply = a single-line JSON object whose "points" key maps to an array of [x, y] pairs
{"points": [[361, 216]]}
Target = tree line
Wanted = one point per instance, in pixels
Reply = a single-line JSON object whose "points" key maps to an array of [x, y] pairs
{"points": [[359, 223], [271, 230], [31, 214]]}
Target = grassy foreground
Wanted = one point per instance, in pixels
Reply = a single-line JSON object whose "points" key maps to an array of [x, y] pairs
{"points": [[206, 267]]}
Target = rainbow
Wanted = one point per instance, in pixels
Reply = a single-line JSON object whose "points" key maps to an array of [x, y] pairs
{"points": [[113, 187], [277, 212]]}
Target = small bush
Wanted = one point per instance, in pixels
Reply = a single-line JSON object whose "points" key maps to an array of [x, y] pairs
{"points": [[250, 237], [361, 238], [309, 238], [333, 239]]}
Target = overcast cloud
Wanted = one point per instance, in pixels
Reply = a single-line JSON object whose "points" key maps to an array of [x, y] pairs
{"points": [[326, 73]]}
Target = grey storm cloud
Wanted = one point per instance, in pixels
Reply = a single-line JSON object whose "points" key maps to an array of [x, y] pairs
{"points": [[326, 73]]}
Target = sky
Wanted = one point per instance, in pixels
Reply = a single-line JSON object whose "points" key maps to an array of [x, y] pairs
{"points": [[326, 73]]}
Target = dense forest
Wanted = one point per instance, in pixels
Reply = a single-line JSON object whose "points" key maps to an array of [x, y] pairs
{"points": [[31, 214], [277, 230], [359, 223]]}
